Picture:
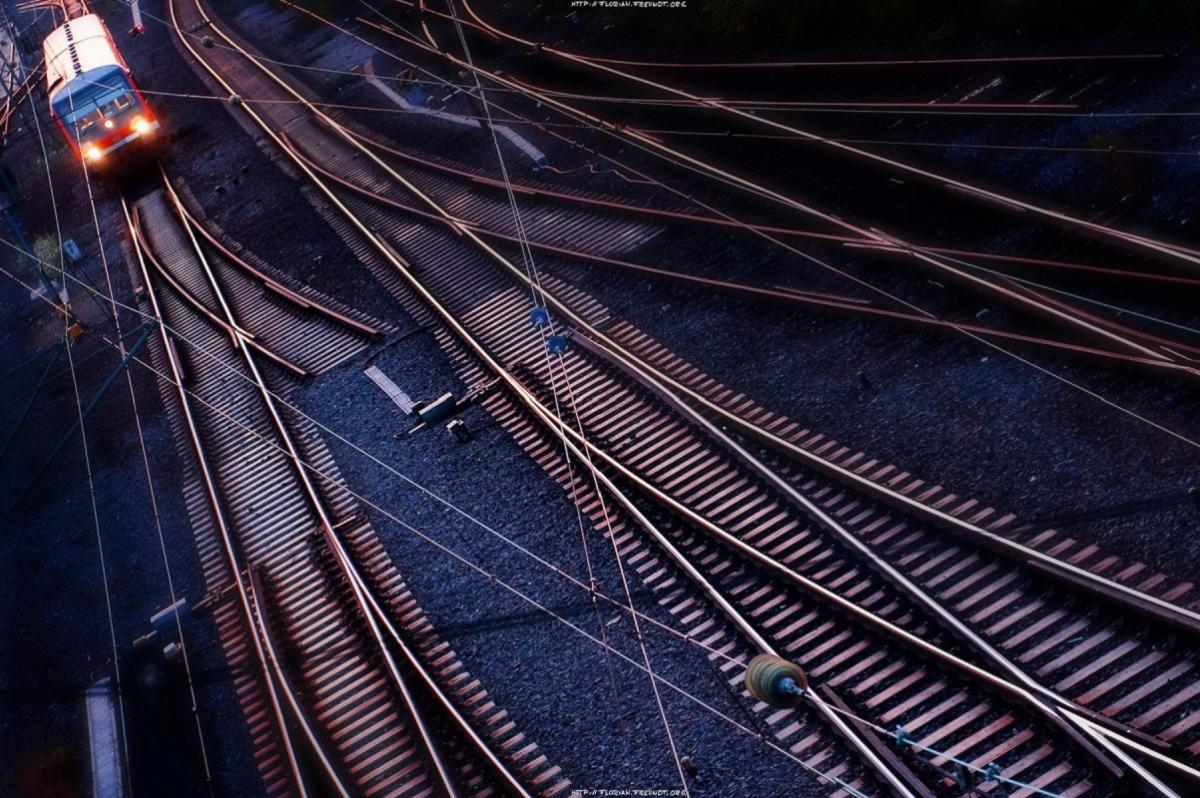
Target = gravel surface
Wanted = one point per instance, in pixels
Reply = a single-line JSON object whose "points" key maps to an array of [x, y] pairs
{"points": [[54, 604], [553, 681], [948, 409]]}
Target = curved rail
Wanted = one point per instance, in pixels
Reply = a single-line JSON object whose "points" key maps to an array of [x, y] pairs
{"points": [[268, 667], [371, 609], [368, 607], [1137, 600], [1176, 251], [522, 392], [271, 283]]}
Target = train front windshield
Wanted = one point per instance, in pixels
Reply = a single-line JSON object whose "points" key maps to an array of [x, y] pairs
{"points": [[91, 107]]}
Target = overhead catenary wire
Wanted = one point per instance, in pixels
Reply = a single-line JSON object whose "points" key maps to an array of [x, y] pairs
{"points": [[87, 460], [539, 302], [489, 575], [331, 431], [669, 156]]}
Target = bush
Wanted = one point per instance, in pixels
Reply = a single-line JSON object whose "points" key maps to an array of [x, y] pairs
{"points": [[47, 250]]}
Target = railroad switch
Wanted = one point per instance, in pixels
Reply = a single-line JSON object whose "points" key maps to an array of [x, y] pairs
{"points": [[776, 681], [439, 409], [458, 428], [163, 621]]}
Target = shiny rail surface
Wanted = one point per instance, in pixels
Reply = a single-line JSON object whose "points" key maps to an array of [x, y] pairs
{"points": [[657, 446], [363, 711]]}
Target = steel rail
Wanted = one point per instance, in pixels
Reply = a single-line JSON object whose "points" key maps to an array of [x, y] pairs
{"points": [[1021, 288], [272, 284], [218, 514], [1177, 251], [1153, 606], [361, 590], [545, 415], [317, 504], [873, 234], [527, 398], [238, 336], [1088, 741], [257, 591]]}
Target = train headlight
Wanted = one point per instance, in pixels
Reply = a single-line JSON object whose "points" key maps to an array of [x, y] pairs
{"points": [[140, 125], [92, 153], [108, 124]]}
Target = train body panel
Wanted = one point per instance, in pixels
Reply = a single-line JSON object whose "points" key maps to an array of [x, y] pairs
{"points": [[94, 100]]}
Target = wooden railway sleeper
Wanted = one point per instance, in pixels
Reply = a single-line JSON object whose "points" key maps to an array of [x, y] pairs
{"points": [[372, 612], [1031, 692], [218, 514], [388, 253]]}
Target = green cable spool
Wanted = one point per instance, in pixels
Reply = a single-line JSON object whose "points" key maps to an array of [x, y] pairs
{"points": [[767, 676]]}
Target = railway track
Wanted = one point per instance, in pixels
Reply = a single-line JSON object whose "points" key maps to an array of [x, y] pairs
{"points": [[1055, 229], [603, 235], [653, 445], [1136, 241], [589, 245], [1092, 330], [347, 688]]}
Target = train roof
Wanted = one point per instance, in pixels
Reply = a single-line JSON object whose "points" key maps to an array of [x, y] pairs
{"points": [[80, 45]]}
